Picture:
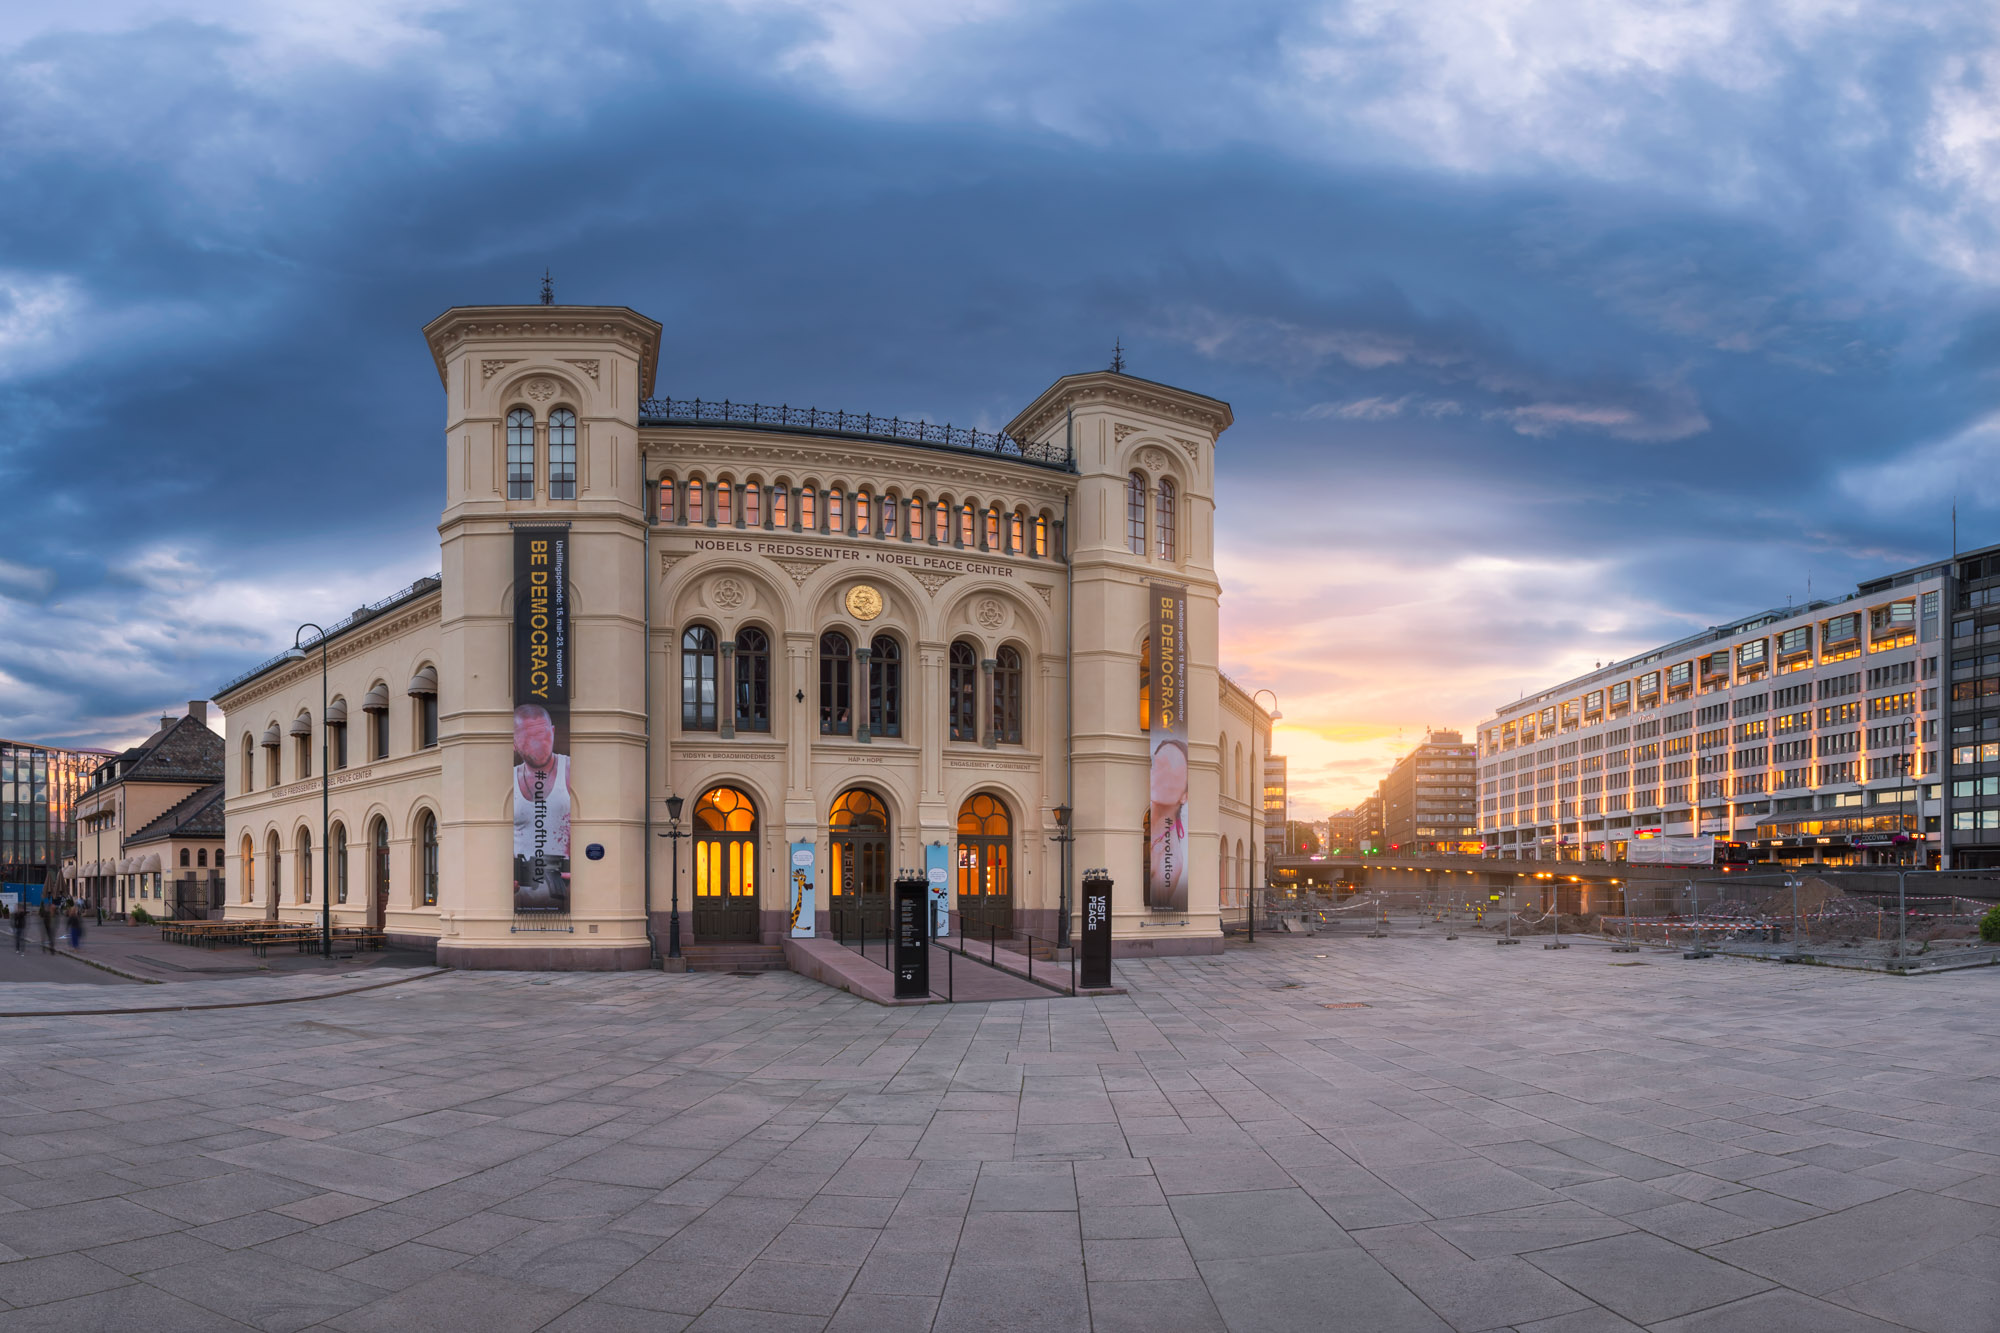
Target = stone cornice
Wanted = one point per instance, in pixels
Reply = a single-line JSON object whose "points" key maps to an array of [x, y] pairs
{"points": [[1211, 415], [551, 322], [349, 644]]}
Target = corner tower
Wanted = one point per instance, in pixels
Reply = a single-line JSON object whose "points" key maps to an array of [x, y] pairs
{"points": [[541, 431], [1144, 516]]}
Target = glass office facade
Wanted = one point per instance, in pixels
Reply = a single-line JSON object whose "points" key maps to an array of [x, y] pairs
{"points": [[39, 787]]}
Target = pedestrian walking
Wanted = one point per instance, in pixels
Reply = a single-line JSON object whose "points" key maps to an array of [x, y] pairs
{"points": [[75, 926], [48, 929], [20, 927]]}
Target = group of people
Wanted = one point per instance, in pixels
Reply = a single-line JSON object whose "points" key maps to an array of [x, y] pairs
{"points": [[59, 918]]}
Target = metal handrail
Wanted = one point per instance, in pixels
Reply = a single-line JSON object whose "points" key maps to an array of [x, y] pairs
{"points": [[866, 425]]}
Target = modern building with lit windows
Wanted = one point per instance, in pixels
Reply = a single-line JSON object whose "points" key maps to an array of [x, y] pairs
{"points": [[818, 643], [39, 789], [1811, 733], [1428, 801]]}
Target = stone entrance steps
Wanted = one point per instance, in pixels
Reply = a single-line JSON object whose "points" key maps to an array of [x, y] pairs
{"points": [[743, 957]]}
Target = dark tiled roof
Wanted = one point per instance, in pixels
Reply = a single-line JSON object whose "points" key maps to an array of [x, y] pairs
{"points": [[183, 751], [198, 815]]}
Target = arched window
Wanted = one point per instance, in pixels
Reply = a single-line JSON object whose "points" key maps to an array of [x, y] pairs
{"points": [[993, 528], [885, 686], [520, 454], [305, 866], [914, 530], [836, 685], [273, 869], [1017, 532], [427, 865], [985, 863], [725, 857], [890, 505], [781, 506], [1242, 779], [248, 857], [753, 680], [1164, 524], [808, 509], [1135, 513], [962, 695], [562, 454], [1145, 686], [1007, 696], [941, 523], [184, 857], [379, 840], [664, 511], [753, 508], [249, 762], [965, 534], [725, 504], [337, 844], [200, 859], [695, 498], [836, 510], [1041, 535], [376, 705], [698, 678], [1222, 867], [863, 517]]}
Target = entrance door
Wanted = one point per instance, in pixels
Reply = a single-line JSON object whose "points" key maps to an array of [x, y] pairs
{"points": [[985, 868], [725, 867], [858, 896]]}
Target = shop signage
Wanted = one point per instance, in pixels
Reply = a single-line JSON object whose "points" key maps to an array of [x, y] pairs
{"points": [[542, 671], [1096, 957]]}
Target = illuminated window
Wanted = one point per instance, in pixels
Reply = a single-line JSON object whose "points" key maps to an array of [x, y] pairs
{"points": [[1041, 536], [725, 503], [993, 528], [781, 506], [694, 501], [861, 524], [752, 506], [940, 523], [965, 537], [836, 511], [1017, 532], [664, 512], [808, 509]]}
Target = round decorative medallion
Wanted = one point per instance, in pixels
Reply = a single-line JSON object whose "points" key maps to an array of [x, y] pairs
{"points": [[541, 390], [991, 614], [863, 602], [728, 594]]}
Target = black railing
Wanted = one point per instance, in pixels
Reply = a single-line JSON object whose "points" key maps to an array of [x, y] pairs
{"points": [[999, 444]]}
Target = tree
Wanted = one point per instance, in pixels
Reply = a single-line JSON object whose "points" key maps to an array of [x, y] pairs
{"points": [[1301, 839]]}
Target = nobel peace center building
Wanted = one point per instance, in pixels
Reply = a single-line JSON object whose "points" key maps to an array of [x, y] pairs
{"points": [[827, 648]]}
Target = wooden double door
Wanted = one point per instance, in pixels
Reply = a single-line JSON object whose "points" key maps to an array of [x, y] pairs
{"points": [[985, 868], [725, 868], [860, 873]]}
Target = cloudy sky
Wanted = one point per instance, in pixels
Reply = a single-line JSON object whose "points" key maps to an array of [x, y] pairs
{"points": [[1552, 330]]}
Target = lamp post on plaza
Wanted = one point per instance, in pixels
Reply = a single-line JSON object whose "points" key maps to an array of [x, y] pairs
{"points": [[1285, 827], [1064, 836], [297, 653], [674, 836]]}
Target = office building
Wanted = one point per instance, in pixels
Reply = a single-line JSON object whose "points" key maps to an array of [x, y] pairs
{"points": [[1428, 802]]}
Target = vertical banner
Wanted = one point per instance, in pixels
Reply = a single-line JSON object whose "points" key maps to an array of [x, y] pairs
{"points": [[542, 669], [802, 891], [1096, 952], [938, 873], [1166, 819]]}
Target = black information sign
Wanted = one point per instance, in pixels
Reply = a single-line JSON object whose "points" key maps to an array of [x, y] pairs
{"points": [[913, 938], [1096, 931]]}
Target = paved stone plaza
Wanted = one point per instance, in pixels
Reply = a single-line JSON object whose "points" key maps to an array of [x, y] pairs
{"points": [[1494, 1138]]}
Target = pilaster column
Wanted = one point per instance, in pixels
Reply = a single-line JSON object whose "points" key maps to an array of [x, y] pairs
{"points": [[986, 736], [860, 696], [725, 699]]}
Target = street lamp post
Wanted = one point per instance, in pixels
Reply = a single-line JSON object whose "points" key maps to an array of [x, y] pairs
{"points": [[1064, 836], [674, 836], [1285, 818], [297, 653]]}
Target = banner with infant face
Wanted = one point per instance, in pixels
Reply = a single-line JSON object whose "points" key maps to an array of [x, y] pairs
{"points": [[1166, 818], [541, 794]]}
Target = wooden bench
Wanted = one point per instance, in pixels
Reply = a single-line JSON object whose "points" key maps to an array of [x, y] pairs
{"points": [[260, 944]]}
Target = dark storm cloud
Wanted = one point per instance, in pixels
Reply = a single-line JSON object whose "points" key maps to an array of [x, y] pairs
{"points": [[1618, 351]]}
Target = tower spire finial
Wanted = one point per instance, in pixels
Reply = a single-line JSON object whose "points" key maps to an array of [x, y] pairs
{"points": [[548, 289], [1118, 357]]}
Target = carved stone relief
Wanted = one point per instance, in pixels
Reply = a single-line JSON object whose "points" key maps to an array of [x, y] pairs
{"points": [[588, 367], [489, 368]]}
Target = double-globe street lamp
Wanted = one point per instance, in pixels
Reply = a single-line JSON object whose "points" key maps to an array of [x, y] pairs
{"points": [[297, 653]]}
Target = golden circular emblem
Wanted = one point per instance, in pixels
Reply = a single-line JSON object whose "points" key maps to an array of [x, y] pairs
{"points": [[863, 602]]}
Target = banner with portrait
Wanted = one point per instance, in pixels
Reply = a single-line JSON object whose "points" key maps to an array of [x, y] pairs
{"points": [[542, 673], [1167, 734]]}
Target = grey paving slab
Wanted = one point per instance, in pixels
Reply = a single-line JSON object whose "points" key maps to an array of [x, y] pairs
{"points": [[1500, 1139]]}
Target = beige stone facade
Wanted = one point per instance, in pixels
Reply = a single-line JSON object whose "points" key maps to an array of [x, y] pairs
{"points": [[847, 632]]}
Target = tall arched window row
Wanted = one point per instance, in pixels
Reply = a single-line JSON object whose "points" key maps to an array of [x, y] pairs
{"points": [[1007, 696], [698, 678], [753, 680], [1041, 536], [993, 528], [781, 506], [520, 454], [338, 846], [1165, 523], [962, 693], [249, 763], [1017, 527], [914, 529], [725, 504], [836, 510], [562, 454], [305, 866], [885, 686], [1135, 513], [248, 858], [808, 509], [965, 533], [836, 685], [694, 498], [379, 842], [664, 511], [753, 509]]}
